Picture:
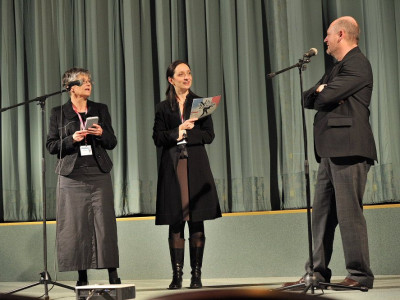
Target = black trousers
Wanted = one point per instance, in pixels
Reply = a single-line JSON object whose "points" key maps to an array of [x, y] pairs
{"points": [[338, 200]]}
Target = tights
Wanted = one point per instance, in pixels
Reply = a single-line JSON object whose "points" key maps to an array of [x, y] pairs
{"points": [[196, 230]]}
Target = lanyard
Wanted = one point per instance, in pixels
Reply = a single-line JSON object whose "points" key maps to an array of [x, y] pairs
{"points": [[83, 124]]}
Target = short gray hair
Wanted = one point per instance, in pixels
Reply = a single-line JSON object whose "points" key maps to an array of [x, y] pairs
{"points": [[72, 75]]}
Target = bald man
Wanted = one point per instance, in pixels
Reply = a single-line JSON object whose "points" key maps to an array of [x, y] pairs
{"points": [[345, 149]]}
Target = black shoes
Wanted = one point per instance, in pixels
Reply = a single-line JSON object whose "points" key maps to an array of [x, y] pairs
{"points": [[82, 283], [115, 281], [111, 280]]}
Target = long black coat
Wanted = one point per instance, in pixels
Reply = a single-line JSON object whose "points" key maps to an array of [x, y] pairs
{"points": [[342, 130], [203, 198]]}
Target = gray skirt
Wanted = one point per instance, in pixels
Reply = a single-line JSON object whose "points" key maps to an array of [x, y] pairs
{"points": [[86, 224]]}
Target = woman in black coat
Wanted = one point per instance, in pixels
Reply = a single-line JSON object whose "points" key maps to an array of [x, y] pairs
{"points": [[86, 225], [186, 189]]}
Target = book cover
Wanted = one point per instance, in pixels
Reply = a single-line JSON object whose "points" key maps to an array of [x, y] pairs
{"points": [[202, 107]]}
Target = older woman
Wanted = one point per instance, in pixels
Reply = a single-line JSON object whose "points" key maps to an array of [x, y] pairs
{"points": [[186, 189], [86, 225]]}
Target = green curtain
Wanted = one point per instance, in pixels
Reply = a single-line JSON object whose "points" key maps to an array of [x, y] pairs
{"points": [[257, 157]]}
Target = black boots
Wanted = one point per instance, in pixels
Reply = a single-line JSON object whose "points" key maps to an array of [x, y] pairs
{"points": [[177, 252], [115, 281], [196, 260]]}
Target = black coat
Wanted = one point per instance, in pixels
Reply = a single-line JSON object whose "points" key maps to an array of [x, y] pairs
{"points": [[342, 130], [64, 122], [203, 198]]}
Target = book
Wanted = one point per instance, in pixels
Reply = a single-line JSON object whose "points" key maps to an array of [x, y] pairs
{"points": [[202, 107]]}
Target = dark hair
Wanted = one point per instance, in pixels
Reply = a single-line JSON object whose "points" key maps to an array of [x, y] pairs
{"points": [[170, 92]]}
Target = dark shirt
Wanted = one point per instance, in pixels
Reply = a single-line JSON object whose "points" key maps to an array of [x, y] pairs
{"points": [[86, 160]]}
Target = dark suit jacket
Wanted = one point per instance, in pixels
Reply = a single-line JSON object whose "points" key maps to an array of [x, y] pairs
{"points": [[63, 124], [343, 130]]}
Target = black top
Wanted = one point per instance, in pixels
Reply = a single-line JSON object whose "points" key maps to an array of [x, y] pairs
{"points": [[86, 160]]}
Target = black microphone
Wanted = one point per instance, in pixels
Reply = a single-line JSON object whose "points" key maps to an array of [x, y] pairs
{"points": [[72, 83], [311, 52]]}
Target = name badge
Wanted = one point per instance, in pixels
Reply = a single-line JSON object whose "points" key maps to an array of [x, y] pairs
{"points": [[86, 150]]}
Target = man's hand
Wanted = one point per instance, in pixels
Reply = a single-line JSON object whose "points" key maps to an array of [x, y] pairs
{"points": [[320, 88]]}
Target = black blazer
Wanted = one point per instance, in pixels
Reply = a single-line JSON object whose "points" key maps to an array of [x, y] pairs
{"points": [[343, 130], [63, 124]]}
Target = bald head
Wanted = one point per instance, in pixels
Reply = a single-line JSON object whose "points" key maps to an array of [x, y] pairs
{"points": [[342, 36], [348, 25]]}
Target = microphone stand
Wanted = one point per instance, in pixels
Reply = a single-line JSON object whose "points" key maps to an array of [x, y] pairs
{"points": [[310, 281], [45, 278]]}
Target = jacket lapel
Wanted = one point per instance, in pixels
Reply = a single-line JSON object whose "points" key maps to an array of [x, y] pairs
{"points": [[331, 73], [68, 110], [336, 67], [93, 110], [188, 107]]}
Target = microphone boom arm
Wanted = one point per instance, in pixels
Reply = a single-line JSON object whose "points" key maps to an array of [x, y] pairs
{"points": [[39, 99], [300, 64]]}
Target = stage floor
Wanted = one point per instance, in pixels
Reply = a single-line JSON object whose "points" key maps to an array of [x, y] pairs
{"points": [[385, 287]]}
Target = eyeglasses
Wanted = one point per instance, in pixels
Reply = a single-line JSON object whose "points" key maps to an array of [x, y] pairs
{"points": [[87, 81]]}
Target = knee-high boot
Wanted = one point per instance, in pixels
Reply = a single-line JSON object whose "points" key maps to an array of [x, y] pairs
{"points": [[196, 260], [177, 252]]}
